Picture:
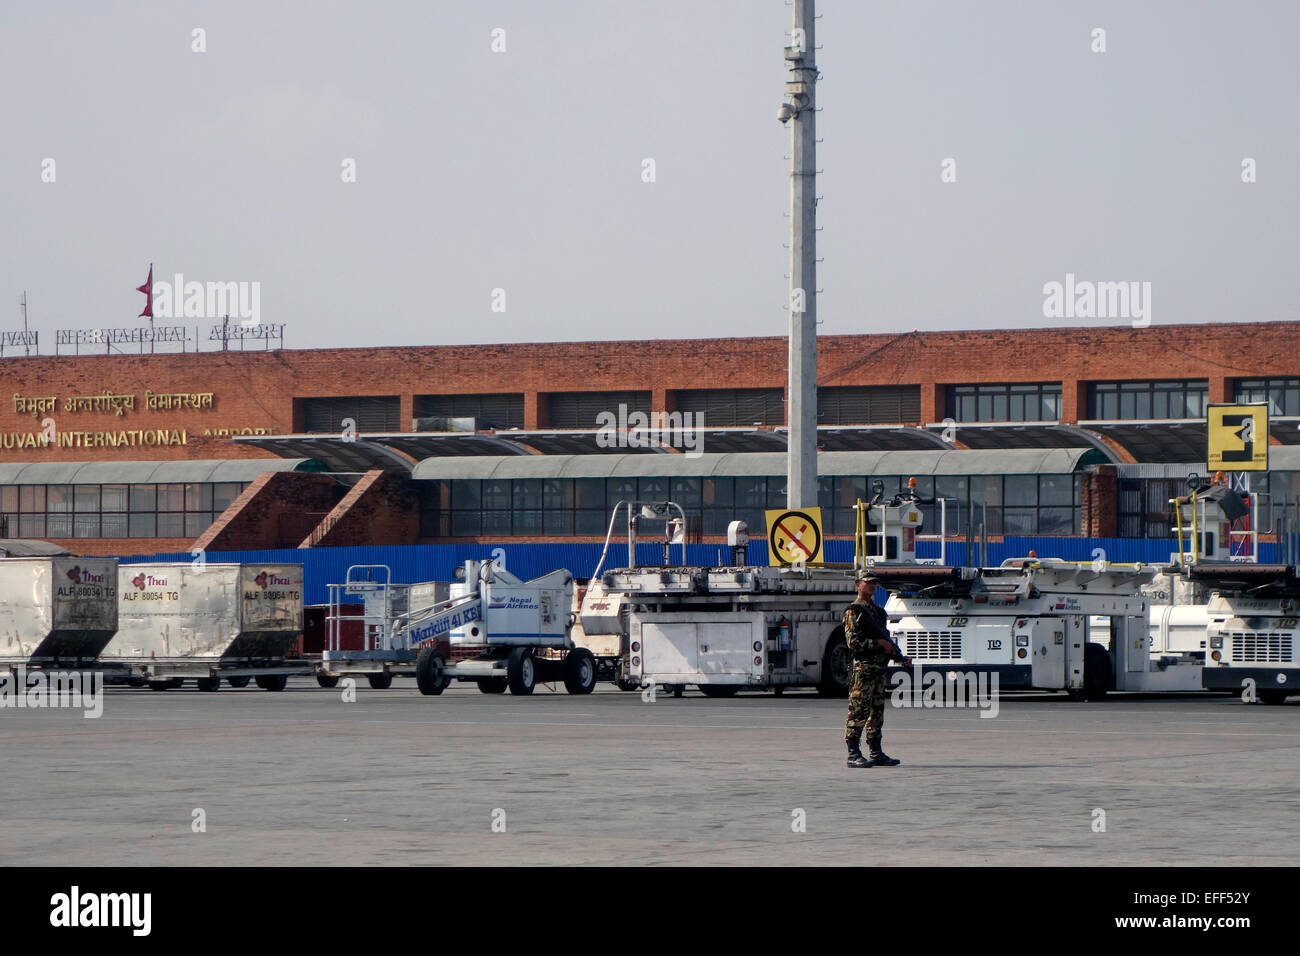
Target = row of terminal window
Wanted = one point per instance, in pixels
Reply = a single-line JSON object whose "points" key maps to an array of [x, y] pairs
{"points": [[836, 405], [581, 507], [171, 510]]}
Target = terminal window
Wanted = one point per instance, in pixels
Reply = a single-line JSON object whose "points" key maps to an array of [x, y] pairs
{"points": [[1282, 394], [1005, 403], [1109, 401]]}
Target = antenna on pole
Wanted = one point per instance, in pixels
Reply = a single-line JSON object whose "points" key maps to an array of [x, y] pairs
{"points": [[799, 112]]}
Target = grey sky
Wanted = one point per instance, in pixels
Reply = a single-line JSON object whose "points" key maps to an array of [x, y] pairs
{"points": [[522, 170]]}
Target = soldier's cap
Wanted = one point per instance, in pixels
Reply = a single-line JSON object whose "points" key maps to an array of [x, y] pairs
{"points": [[866, 575]]}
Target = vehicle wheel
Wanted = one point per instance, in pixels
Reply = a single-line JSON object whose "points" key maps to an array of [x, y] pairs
{"points": [[1097, 676], [579, 671], [778, 691], [430, 673], [327, 680], [1272, 696], [160, 685], [380, 681], [627, 683], [239, 681], [135, 682], [719, 690], [493, 685], [837, 667], [209, 683], [521, 670], [276, 682]]}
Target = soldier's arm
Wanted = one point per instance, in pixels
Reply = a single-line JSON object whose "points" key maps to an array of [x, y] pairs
{"points": [[894, 651], [854, 633]]}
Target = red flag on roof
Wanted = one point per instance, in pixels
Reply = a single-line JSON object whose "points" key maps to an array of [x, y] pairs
{"points": [[147, 289]]}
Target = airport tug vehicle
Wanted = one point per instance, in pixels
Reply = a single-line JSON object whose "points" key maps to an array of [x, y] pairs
{"points": [[491, 628], [741, 626]]}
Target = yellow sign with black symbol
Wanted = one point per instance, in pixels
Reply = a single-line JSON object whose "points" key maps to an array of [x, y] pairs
{"points": [[1237, 437], [794, 536]]}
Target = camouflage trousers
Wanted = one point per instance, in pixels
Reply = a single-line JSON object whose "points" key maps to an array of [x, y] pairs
{"points": [[866, 702]]}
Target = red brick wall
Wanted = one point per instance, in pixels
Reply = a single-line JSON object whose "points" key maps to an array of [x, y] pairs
{"points": [[273, 512], [383, 508], [256, 389], [123, 546], [1099, 501]]}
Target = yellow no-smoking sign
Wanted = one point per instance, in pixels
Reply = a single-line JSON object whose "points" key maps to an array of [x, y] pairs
{"points": [[794, 536]]}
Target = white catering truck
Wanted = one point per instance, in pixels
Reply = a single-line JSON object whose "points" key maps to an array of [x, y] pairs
{"points": [[1035, 623], [724, 629], [1243, 615]]}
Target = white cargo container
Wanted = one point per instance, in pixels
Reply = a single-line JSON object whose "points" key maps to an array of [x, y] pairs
{"points": [[56, 610], [208, 621]]}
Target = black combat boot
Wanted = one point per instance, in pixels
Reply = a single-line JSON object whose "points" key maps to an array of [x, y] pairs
{"points": [[855, 754], [878, 757]]}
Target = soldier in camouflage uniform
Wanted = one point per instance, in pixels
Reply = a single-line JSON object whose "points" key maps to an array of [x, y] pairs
{"points": [[866, 632]]}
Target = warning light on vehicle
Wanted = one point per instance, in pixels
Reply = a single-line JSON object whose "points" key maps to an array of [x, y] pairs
{"points": [[636, 645], [1021, 653]]}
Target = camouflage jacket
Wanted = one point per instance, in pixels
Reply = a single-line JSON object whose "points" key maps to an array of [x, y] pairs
{"points": [[864, 624]]}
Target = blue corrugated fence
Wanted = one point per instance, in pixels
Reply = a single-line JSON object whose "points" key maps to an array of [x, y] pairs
{"points": [[436, 562]]}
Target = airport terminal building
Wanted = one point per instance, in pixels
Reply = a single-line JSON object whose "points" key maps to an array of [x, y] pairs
{"points": [[1052, 432]]}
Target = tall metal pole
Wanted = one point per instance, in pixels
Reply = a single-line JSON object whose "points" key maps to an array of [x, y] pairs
{"points": [[800, 113]]}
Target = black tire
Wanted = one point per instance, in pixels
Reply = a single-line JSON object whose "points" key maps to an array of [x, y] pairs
{"points": [[160, 685], [579, 671], [493, 685], [627, 683], [239, 681], [521, 671], [430, 673], [208, 684], [135, 682], [719, 690], [272, 682], [1272, 696], [327, 680], [380, 681], [837, 667], [1097, 676]]}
